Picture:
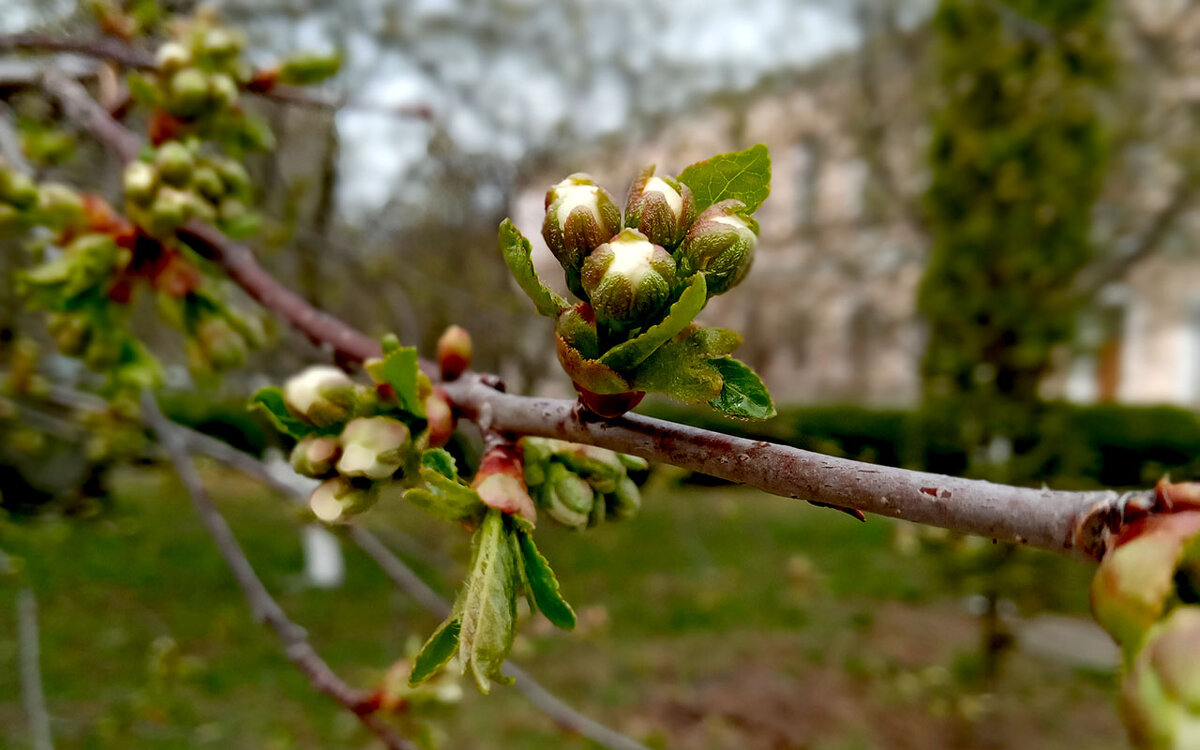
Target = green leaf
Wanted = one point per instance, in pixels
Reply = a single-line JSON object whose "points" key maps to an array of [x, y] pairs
{"points": [[745, 175], [310, 68], [627, 356], [270, 401], [401, 370], [142, 90], [445, 498], [742, 391], [518, 255], [438, 650], [440, 460], [489, 606], [683, 366], [543, 585]]}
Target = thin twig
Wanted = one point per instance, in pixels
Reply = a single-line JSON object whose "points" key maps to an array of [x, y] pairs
{"points": [[123, 53], [1080, 523], [262, 604], [410, 583], [31, 673]]}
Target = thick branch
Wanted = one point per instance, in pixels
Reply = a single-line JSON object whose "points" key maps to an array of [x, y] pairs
{"points": [[1078, 522], [262, 604], [31, 673]]}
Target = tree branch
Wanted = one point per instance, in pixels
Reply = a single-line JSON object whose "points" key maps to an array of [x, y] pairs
{"points": [[1094, 278], [31, 673], [262, 604], [1077, 522], [115, 50], [410, 583]]}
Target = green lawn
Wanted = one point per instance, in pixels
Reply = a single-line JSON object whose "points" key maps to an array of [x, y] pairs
{"points": [[720, 618]]}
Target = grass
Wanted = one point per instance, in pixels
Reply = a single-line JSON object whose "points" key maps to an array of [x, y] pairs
{"points": [[719, 618]]}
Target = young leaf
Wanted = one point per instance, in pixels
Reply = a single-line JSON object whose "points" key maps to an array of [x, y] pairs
{"points": [[682, 368], [517, 254], [489, 609], [745, 175], [440, 460], [445, 498], [438, 650], [270, 401], [543, 585], [625, 357], [400, 371], [742, 391]]}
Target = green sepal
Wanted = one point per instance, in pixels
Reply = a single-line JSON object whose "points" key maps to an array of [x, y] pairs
{"points": [[518, 255], [744, 175], [440, 460], [445, 498], [488, 610], [543, 586], [136, 366], [270, 401], [400, 369], [683, 367], [743, 393], [142, 90], [439, 649], [626, 357]]}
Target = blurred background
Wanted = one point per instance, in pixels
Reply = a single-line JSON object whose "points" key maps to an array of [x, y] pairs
{"points": [[978, 258]]}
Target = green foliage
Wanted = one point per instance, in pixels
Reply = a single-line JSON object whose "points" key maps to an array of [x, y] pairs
{"points": [[1018, 153], [518, 255], [741, 175]]}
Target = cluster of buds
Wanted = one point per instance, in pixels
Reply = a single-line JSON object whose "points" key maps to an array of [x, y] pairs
{"points": [[361, 440], [198, 74], [642, 277], [25, 203], [580, 485], [1146, 594], [629, 270], [178, 182]]}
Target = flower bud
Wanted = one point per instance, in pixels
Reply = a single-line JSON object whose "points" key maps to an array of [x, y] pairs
{"points": [[188, 93], [567, 497], [60, 206], [580, 216], [222, 44], [662, 208], [626, 500], [373, 447], [315, 456], [500, 483], [223, 89], [454, 352], [172, 56], [175, 163], [628, 278], [1161, 693], [339, 498], [18, 189], [321, 394], [1136, 580], [140, 181], [208, 183], [721, 243], [170, 209], [440, 417], [222, 347]]}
